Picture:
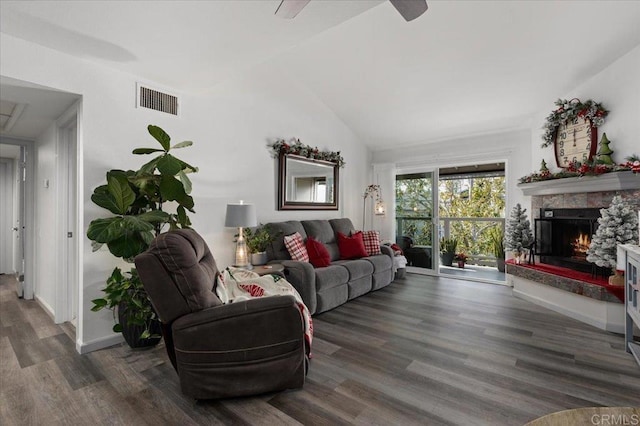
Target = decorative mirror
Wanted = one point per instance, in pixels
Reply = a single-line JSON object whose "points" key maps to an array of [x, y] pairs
{"points": [[307, 183]]}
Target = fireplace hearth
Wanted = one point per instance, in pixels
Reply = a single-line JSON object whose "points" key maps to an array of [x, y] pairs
{"points": [[563, 237]]}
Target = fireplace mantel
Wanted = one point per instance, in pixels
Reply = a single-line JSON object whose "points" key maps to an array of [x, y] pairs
{"points": [[614, 181]]}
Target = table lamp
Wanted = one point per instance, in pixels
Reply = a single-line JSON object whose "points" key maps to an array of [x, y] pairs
{"points": [[241, 216]]}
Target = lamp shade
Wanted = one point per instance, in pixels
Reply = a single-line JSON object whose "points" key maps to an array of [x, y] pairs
{"points": [[241, 216]]}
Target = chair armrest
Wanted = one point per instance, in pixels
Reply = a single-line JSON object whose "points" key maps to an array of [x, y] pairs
{"points": [[240, 326], [302, 277], [387, 250]]}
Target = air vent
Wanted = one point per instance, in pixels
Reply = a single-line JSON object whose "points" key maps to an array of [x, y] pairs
{"points": [[157, 100]]}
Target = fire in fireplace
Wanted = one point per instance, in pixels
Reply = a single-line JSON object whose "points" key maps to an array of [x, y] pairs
{"points": [[580, 246], [563, 236]]}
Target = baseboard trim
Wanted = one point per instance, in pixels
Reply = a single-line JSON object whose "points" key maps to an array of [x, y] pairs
{"points": [[97, 344]]}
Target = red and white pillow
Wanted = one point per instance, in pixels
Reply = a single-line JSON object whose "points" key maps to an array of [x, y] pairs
{"points": [[371, 242], [296, 247]]}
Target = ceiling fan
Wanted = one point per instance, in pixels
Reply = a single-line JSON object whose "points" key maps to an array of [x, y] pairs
{"points": [[409, 9]]}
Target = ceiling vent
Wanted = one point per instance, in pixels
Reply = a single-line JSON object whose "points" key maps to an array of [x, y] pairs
{"points": [[157, 100]]}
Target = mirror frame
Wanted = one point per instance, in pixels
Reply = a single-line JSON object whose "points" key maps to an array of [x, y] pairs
{"points": [[284, 204]]}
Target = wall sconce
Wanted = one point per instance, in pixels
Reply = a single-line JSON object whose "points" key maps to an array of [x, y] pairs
{"points": [[378, 207], [241, 216]]}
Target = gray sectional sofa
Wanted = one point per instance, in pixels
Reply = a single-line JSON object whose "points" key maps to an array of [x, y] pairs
{"points": [[325, 288]]}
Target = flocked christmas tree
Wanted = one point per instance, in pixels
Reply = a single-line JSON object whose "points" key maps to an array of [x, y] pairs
{"points": [[603, 155], [518, 235], [617, 225]]}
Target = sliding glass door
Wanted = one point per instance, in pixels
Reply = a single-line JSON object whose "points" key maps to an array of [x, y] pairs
{"points": [[415, 208], [460, 206]]}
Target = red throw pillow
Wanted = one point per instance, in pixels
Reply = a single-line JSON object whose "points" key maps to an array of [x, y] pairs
{"points": [[318, 254], [351, 247]]}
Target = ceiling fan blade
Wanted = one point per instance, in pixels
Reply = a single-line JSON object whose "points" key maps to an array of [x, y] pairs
{"points": [[410, 9], [288, 9]]}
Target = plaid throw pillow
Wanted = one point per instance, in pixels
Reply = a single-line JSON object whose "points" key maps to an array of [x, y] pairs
{"points": [[372, 242], [295, 246]]}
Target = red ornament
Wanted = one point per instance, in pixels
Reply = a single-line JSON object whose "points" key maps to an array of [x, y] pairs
{"points": [[584, 169], [573, 167], [601, 168]]}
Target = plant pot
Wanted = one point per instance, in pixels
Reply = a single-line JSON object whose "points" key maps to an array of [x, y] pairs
{"points": [[132, 332], [617, 278], [447, 258], [500, 264], [519, 257], [460, 263], [259, 258]]}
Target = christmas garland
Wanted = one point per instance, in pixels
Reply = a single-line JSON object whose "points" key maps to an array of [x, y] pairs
{"points": [[577, 169], [298, 148], [568, 110]]}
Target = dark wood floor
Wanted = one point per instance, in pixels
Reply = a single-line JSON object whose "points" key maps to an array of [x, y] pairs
{"points": [[421, 351]]}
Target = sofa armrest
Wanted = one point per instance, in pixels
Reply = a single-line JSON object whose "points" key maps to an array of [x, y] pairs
{"points": [[302, 277], [387, 250], [240, 326]]}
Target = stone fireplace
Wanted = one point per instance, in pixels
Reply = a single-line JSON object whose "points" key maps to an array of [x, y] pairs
{"points": [[565, 217], [564, 214]]}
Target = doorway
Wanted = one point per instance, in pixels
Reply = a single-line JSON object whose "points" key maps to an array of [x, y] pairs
{"points": [[66, 308], [16, 230], [45, 123], [7, 214], [448, 218]]}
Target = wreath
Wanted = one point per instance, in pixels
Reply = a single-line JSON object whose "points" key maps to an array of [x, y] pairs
{"points": [[568, 110], [298, 148]]}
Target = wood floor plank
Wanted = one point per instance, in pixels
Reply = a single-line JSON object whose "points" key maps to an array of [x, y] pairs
{"points": [[425, 350]]}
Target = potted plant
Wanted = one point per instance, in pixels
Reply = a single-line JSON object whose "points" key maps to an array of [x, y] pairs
{"points": [[496, 238], [258, 241], [461, 258], [136, 200], [448, 248]]}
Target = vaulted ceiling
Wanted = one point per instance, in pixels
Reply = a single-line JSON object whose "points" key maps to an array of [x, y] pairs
{"points": [[462, 68]]}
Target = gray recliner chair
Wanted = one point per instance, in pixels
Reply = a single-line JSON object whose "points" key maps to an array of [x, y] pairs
{"points": [[218, 351]]}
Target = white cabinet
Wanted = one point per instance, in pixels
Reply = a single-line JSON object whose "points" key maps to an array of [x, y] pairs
{"points": [[631, 258]]}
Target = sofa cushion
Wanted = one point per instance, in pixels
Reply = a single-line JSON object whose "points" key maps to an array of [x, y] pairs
{"points": [[380, 262], [343, 225], [322, 231], [357, 268], [296, 247], [318, 254], [331, 276], [371, 242], [351, 247], [277, 250]]}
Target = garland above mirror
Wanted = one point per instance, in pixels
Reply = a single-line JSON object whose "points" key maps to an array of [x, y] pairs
{"points": [[296, 147]]}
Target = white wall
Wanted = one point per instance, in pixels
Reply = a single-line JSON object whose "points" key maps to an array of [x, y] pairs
{"points": [[617, 87], [230, 127], [511, 147], [236, 121]]}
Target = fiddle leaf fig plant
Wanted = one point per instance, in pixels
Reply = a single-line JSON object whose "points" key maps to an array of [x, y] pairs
{"points": [[136, 200]]}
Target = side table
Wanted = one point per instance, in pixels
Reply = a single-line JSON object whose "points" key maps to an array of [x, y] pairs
{"points": [[274, 268]]}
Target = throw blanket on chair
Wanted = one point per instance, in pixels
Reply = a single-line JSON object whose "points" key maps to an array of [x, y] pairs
{"points": [[234, 285]]}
